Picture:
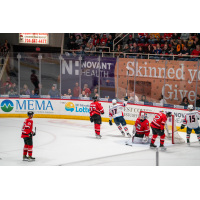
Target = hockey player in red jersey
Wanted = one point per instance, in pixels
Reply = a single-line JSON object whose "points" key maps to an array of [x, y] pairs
{"points": [[27, 134], [157, 126], [141, 128], [96, 110]]}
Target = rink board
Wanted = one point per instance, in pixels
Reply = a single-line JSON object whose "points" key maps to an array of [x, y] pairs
{"points": [[74, 109]]}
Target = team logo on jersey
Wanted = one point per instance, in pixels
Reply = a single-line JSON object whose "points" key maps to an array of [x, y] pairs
{"points": [[69, 107], [7, 105]]}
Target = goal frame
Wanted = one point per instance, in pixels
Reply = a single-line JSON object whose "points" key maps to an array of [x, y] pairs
{"points": [[172, 117]]}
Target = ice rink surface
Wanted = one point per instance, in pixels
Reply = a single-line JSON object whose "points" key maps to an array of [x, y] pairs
{"points": [[62, 142]]}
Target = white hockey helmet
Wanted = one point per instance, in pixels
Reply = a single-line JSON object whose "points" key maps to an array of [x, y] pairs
{"points": [[190, 107], [114, 101]]}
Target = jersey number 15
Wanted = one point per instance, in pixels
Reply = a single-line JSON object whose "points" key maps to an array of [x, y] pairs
{"points": [[192, 118]]}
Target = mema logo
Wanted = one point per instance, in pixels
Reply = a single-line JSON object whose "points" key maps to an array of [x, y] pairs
{"points": [[33, 105], [7, 105]]}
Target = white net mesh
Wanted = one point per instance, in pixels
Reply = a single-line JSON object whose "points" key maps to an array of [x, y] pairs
{"points": [[168, 128]]}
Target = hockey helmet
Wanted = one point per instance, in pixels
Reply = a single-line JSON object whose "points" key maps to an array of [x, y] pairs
{"points": [[168, 114], [143, 116], [95, 98], [29, 113], [114, 101], [190, 107]]}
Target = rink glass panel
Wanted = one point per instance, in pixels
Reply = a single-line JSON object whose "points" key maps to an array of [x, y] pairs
{"points": [[198, 86], [149, 81], [180, 82], [29, 74], [70, 76], [9, 73], [50, 74], [89, 79]]}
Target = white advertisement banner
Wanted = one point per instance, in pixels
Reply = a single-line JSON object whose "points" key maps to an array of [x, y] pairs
{"points": [[76, 108]]}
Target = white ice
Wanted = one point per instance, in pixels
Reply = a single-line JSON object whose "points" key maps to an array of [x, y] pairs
{"points": [[72, 142]]}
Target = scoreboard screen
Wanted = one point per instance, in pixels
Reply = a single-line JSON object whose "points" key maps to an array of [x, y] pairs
{"points": [[34, 38]]}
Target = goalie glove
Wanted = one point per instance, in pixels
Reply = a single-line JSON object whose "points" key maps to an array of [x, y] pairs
{"points": [[145, 139], [110, 122], [182, 126], [91, 119]]}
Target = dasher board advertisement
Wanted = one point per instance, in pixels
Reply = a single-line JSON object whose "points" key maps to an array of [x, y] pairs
{"points": [[34, 38]]}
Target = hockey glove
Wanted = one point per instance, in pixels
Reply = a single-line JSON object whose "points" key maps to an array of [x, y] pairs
{"points": [[30, 135], [34, 133], [91, 119], [126, 98], [182, 126], [102, 113], [110, 122]]}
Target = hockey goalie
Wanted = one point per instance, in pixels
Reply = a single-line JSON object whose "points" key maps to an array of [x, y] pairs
{"points": [[141, 130]]}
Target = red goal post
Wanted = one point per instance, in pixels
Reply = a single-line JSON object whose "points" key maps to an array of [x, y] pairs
{"points": [[171, 132]]}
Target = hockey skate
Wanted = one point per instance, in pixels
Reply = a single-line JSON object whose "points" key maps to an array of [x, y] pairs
{"points": [[128, 134], [98, 136], [123, 133], [163, 148], [188, 142], [152, 146], [25, 158], [30, 159]]}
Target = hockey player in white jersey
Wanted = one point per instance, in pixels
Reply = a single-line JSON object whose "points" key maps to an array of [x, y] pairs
{"points": [[191, 121], [116, 113]]}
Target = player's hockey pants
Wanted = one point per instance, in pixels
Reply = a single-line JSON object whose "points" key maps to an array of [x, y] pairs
{"points": [[28, 146], [157, 132], [197, 131], [97, 123]]}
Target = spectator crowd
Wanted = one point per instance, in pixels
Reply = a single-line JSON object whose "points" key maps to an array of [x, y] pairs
{"points": [[185, 46]]}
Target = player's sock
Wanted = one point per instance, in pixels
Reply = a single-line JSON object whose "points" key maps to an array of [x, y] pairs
{"points": [[188, 138], [25, 150], [126, 130], [162, 140], [153, 139], [97, 128], [120, 128], [30, 147]]}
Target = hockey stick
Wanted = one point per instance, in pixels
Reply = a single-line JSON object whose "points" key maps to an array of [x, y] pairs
{"points": [[127, 82]]}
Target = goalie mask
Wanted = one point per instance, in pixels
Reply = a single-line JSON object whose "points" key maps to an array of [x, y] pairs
{"points": [[143, 116]]}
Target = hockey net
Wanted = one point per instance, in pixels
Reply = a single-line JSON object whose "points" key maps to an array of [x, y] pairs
{"points": [[171, 132]]}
